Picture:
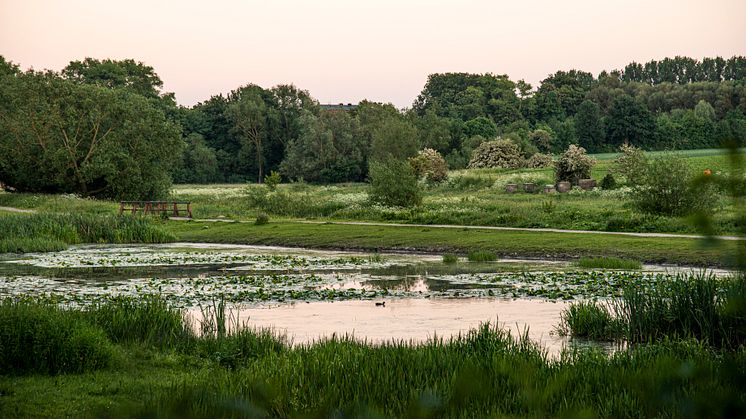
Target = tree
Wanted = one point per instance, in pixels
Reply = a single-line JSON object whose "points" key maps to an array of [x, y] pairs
{"points": [[630, 122], [128, 74], [589, 126], [481, 126], [542, 139], [247, 113], [393, 182], [199, 163], [394, 137], [61, 136], [326, 151]]}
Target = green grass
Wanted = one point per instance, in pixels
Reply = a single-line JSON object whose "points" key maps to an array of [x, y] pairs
{"points": [[608, 263], [54, 231], [45, 339], [445, 240]]}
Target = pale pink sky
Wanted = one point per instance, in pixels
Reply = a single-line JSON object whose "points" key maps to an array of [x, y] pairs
{"points": [[348, 50]]}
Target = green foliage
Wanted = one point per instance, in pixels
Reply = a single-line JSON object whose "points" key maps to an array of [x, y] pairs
{"points": [[394, 137], [327, 150], [632, 164], [428, 164], [608, 263], [573, 165], [272, 180], [41, 338], [91, 140], [394, 183], [666, 188], [589, 126], [629, 121], [47, 232], [542, 139], [480, 126], [500, 153], [199, 163], [481, 256]]}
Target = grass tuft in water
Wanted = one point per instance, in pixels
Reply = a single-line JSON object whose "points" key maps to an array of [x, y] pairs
{"points": [[482, 256], [608, 263], [450, 258]]}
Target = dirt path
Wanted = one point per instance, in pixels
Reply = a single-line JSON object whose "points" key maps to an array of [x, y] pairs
{"points": [[11, 209]]}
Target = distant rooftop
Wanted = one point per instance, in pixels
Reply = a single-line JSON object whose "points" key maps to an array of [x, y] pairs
{"points": [[338, 107]]}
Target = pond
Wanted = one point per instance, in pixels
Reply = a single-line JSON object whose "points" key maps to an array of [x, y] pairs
{"points": [[309, 294]]}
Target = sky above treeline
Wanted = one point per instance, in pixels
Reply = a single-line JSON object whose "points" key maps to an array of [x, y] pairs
{"points": [[347, 50]]}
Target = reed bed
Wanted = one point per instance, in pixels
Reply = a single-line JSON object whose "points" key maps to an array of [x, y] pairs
{"points": [[50, 232], [697, 306]]}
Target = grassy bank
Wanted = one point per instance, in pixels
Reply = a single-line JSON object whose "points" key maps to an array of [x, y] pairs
{"points": [[462, 241], [253, 374], [43, 232]]}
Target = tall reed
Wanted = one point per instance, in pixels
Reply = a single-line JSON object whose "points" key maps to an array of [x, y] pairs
{"points": [[44, 231]]}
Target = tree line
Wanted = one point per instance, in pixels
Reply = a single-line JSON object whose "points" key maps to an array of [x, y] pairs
{"points": [[106, 128]]}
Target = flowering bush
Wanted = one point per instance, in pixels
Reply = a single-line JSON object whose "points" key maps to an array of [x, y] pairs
{"points": [[428, 164], [540, 161], [573, 165], [502, 154]]}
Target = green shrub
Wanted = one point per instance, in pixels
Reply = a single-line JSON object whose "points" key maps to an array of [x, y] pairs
{"points": [[272, 180], [608, 182], [631, 164], [45, 339], [394, 183], [428, 164], [261, 219], [502, 154], [665, 188], [482, 256], [573, 165]]}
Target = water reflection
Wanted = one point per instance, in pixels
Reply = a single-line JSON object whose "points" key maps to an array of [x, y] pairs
{"points": [[412, 320]]}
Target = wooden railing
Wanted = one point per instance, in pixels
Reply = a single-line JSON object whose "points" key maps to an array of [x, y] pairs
{"points": [[171, 208]]}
